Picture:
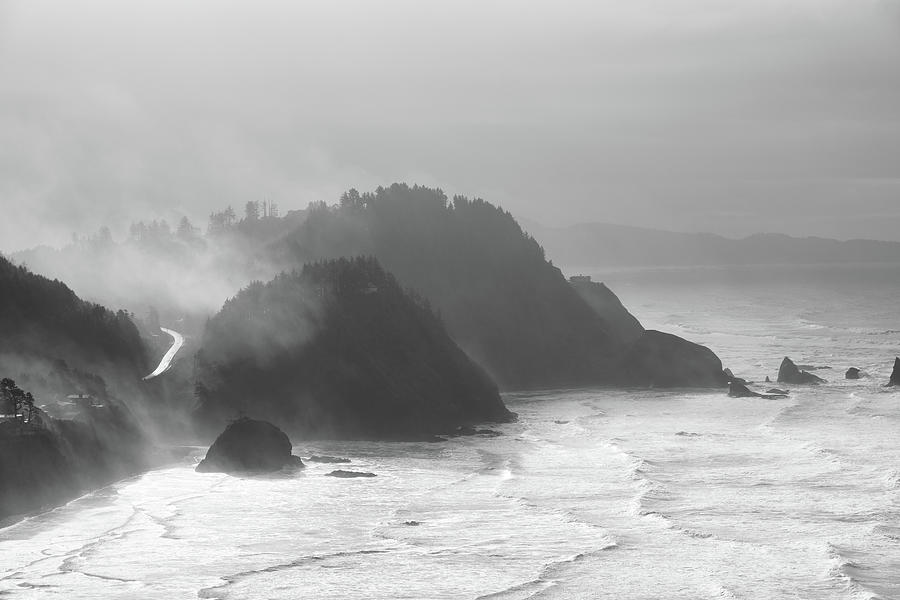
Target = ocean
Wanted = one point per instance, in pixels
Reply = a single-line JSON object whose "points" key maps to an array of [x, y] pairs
{"points": [[593, 493]]}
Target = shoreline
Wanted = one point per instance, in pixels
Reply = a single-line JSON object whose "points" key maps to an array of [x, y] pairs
{"points": [[156, 458]]}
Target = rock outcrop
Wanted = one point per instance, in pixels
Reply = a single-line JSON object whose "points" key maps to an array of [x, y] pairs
{"points": [[249, 446], [660, 359], [852, 373], [739, 390], [895, 375], [349, 474], [788, 372]]}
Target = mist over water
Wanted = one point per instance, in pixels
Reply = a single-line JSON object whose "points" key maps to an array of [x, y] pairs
{"points": [[591, 494]]}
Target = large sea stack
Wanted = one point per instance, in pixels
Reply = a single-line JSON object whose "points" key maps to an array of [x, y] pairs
{"points": [[249, 446]]}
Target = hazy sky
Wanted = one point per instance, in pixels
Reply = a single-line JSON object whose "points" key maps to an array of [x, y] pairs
{"points": [[731, 116]]}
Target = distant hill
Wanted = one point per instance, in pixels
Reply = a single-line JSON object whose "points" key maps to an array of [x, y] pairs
{"points": [[605, 245], [339, 350]]}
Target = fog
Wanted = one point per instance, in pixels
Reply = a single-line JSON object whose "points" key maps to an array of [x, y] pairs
{"points": [[179, 280], [692, 115]]}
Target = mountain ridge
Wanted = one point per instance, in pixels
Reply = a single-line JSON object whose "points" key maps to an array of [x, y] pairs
{"points": [[607, 245]]}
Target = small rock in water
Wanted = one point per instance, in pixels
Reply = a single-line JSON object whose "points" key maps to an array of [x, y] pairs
{"points": [[895, 375], [412, 523], [327, 459], [852, 373], [778, 391], [560, 422], [349, 474], [788, 372]]}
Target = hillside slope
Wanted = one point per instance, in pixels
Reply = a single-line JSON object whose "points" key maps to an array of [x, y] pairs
{"points": [[56, 344], [339, 350]]}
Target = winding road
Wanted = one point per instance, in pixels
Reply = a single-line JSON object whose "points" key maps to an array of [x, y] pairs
{"points": [[166, 362]]}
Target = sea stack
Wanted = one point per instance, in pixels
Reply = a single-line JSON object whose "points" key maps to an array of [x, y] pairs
{"points": [[788, 372], [249, 446], [895, 375]]}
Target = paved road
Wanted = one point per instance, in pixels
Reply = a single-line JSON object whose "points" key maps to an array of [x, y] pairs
{"points": [[166, 362]]}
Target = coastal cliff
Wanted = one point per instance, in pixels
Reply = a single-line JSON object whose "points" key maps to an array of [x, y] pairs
{"points": [[46, 461]]}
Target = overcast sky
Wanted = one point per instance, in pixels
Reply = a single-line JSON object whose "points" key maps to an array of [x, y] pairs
{"points": [[730, 116]]}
